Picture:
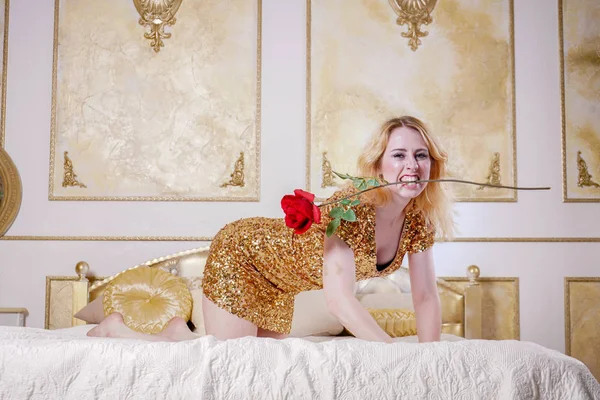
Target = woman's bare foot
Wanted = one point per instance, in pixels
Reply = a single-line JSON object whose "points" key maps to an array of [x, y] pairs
{"points": [[177, 330], [113, 327]]}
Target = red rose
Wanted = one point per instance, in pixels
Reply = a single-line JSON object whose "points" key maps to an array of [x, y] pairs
{"points": [[300, 211]]}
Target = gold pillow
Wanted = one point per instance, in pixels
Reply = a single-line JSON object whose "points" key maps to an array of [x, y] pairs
{"points": [[148, 298], [395, 322]]}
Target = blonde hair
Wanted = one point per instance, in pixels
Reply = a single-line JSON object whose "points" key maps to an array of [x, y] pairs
{"points": [[435, 202]]}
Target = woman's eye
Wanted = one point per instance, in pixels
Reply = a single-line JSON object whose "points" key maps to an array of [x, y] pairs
{"points": [[399, 155], [422, 156]]}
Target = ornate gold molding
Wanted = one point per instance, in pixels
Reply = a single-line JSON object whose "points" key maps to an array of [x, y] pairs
{"points": [[237, 177], [327, 172], [493, 177], [210, 238], [108, 238], [413, 13], [581, 297], [156, 14], [10, 202], [4, 69], [584, 179], [70, 177]]}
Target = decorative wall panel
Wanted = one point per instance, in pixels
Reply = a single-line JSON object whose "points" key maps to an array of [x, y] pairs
{"points": [[500, 306], [582, 321], [454, 69], [170, 112], [4, 14], [580, 62], [11, 192]]}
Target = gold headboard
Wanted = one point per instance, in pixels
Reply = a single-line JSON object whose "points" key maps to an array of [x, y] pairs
{"points": [[461, 306]]}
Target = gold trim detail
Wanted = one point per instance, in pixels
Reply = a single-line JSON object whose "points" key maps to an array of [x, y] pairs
{"points": [[512, 136], [4, 76], [237, 177], [14, 311], [70, 177], [584, 178], [210, 238], [156, 14], [53, 129], [493, 177], [110, 238], [413, 13], [328, 178], [563, 113], [12, 192], [568, 329]]}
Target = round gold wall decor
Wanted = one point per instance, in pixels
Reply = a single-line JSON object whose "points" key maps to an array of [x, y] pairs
{"points": [[10, 192]]}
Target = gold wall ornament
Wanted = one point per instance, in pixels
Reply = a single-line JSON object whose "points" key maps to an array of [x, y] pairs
{"points": [[584, 178], [413, 13], [237, 177], [493, 177], [327, 172], [70, 178], [12, 192], [156, 14]]}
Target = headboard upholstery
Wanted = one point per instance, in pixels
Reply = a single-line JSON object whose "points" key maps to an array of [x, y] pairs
{"points": [[461, 308]]}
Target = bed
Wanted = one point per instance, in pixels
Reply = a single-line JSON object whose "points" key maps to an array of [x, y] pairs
{"points": [[319, 361]]}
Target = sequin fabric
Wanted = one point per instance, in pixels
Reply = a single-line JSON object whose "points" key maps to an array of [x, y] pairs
{"points": [[257, 265]]}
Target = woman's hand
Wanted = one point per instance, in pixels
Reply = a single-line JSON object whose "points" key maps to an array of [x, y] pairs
{"points": [[339, 277], [425, 296]]}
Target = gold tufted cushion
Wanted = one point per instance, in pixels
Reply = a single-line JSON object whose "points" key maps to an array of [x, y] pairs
{"points": [[395, 322], [148, 298]]}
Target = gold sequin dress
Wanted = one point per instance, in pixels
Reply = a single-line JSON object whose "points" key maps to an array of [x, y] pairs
{"points": [[256, 266]]}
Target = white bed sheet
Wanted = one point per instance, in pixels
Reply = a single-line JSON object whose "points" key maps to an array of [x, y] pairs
{"points": [[82, 330], [66, 364]]}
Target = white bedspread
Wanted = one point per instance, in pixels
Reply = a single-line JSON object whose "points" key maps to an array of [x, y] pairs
{"points": [[40, 364]]}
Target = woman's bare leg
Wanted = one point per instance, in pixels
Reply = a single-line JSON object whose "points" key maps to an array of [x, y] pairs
{"points": [[222, 324], [271, 334], [114, 327], [178, 331]]}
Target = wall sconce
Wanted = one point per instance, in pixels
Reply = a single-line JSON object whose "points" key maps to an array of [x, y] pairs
{"points": [[156, 14], [413, 13]]}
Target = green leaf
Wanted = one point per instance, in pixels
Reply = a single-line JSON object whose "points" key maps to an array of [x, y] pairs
{"points": [[355, 203], [333, 225], [358, 182], [372, 182], [345, 202], [342, 176], [363, 185], [336, 212], [349, 215]]}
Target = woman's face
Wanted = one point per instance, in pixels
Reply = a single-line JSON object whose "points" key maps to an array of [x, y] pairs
{"points": [[406, 159]]}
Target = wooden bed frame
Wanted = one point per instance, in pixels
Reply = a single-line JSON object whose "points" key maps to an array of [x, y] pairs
{"points": [[461, 298]]}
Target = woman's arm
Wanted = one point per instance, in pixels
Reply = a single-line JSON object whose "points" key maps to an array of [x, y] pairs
{"points": [[425, 296], [339, 277]]}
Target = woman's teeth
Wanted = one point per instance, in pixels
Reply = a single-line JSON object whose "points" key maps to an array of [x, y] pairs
{"points": [[409, 179]]}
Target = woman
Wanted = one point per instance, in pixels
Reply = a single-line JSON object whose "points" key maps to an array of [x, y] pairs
{"points": [[257, 265]]}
